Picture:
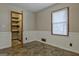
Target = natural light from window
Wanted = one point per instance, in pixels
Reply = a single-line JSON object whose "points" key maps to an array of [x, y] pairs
{"points": [[60, 22]]}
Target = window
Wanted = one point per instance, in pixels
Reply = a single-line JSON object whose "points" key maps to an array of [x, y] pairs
{"points": [[60, 22]]}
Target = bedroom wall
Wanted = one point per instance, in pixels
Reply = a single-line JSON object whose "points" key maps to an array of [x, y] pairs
{"points": [[38, 25], [43, 20], [44, 17], [5, 21]]}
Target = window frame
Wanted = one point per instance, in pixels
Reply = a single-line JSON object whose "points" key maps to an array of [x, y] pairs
{"points": [[67, 22]]}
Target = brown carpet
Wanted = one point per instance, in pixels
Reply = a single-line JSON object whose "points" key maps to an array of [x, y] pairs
{"points": [[36, 48]]}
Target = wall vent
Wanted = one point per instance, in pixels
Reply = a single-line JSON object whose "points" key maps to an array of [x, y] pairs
{"points": [[43, 39]]}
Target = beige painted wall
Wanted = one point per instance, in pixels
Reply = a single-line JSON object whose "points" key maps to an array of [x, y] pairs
{"points": [[5, 25], [5, 20], [44, 17]]}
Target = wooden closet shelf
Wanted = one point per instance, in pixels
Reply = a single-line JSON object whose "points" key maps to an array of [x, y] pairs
{"points": [[15, 18], [15, 31], [15, 21], [15, 26], [17, 39], [16, 12]]}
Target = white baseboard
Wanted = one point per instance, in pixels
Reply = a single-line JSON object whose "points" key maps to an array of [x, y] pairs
{"points": [[60, 41]]}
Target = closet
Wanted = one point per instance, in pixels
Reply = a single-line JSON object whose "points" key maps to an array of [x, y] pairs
{"points": [[17, 29]]}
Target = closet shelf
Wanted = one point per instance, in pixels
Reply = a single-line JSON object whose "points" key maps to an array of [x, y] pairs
{"points": [[17, 39], [15, 21], [15, 31], [15, 26], [15, 18], [16, 12]]}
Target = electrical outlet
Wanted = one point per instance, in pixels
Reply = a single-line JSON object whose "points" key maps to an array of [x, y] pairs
{"points": [[26, 38], [43, 39], [70, 44]]}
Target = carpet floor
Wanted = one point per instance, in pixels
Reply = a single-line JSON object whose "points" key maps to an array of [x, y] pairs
{"points": [[36, 48]]}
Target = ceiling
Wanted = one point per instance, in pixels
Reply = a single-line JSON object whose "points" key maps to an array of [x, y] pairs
{"points": [[34, 7]]}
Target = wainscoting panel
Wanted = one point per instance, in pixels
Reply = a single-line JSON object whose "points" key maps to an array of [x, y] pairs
{"points": [[60, 41]]}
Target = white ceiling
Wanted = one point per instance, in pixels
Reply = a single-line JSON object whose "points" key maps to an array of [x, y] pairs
{"points": [[34, 7]]}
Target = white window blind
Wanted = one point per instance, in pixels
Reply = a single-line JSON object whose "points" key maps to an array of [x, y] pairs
{"points": [[60, 22]]}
